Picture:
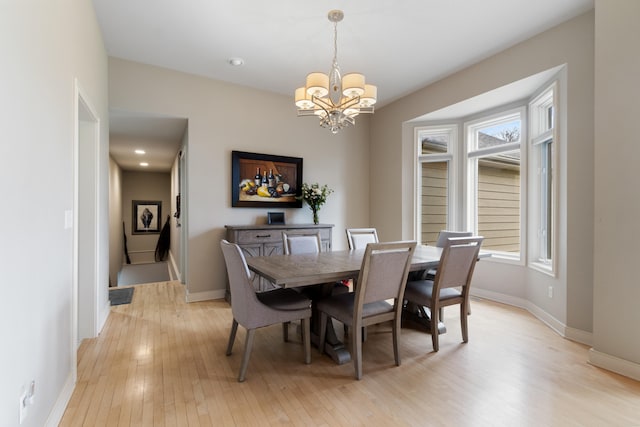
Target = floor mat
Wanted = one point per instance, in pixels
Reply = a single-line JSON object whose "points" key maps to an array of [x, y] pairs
{"points": [[120, 296]]}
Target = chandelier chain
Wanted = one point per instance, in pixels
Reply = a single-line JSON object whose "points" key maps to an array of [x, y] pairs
{"points": [[335, 43]]}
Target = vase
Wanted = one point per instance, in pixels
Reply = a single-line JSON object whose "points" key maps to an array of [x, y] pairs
{"points": [[315, 215]]}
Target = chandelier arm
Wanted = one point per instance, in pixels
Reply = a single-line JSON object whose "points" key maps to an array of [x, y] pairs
{"points": [[349, 103], [323, 104]]}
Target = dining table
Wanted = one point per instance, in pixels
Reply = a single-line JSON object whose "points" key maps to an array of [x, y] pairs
{"points": [[325, 269]]}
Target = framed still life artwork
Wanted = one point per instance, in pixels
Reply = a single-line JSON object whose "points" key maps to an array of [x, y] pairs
{"points": [[265, 180]]}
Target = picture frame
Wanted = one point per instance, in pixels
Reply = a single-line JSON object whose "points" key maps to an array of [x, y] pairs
{"points": [[146, 216], [283, 176], [275, 218]]}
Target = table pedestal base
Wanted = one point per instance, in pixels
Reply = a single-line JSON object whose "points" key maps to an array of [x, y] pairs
{"points": [[333, 347], [421, 316]]}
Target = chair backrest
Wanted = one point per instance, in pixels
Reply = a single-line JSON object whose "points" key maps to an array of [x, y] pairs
{"points": [[384, 271], [358, 238], [445, 234], [244, 301], [301, 242], [457, 263]]}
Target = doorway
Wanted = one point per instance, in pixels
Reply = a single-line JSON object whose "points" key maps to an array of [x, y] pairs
{"points": [[88, 318], [160, 143]]}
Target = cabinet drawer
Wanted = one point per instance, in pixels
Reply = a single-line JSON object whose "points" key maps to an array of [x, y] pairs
{"points": [[259, 236]]}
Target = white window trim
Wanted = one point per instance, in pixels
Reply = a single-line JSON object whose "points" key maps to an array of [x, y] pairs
{"points": [[452, 179], [548, 97], [468, 154]]}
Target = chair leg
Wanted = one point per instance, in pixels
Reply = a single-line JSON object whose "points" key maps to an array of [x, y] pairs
{"points": [[464, 310], [434, 329], [323, 331], [285, 331], [247, 353], [396, 338], [357, 350], [232, 336], [306, 337]]}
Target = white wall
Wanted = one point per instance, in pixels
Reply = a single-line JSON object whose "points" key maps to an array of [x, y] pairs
{"points": [[392, 158], [45, 46], [224, 117], [616, 341]]}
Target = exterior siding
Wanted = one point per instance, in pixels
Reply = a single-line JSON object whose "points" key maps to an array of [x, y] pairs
{"points": [[498, 204]]}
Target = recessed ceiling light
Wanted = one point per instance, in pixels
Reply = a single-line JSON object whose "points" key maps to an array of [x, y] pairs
{"points": [[144, 164], [139, 151], [236, 62]]}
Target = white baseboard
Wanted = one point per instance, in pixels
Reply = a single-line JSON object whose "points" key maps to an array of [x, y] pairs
{"points": [[578, 335], [103, 316], [205, 296], [560, 328], [614, 364], [498, 297], [55, 416], [547, 319], [174, 268]]}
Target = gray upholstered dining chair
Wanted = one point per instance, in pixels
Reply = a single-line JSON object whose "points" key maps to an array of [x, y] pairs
{"points": [[443, 237], [382, 277], [308, 242], [255, 310], [451, 283], [357, 238], [301, 242]]}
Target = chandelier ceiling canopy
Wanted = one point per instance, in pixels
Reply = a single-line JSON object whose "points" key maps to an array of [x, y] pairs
{"points": [[334, 98]]}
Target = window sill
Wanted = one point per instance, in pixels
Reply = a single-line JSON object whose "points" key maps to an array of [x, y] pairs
{"points": [[504, 258], [543, 268]]}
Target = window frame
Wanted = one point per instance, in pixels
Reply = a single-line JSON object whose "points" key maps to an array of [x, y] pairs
{"points": [[543, 131], [472, 154], [451, 130], [531, 140]]}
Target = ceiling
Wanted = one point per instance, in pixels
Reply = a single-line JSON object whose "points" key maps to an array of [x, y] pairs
{"points": [[399, 46], [159, 137]]}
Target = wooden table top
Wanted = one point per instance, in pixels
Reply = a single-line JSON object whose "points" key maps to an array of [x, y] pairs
{"points": [[310, 269]]}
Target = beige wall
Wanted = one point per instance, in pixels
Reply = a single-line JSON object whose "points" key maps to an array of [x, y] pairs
{"points": [[571, 43], [45, 47], [616, 342], [224, 117]]}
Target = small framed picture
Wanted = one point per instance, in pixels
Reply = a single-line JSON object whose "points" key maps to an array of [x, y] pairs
{"points": [[275, 218], [146, 216]]}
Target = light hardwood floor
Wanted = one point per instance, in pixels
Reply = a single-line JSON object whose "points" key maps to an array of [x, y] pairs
{"points": [[161, 362]]}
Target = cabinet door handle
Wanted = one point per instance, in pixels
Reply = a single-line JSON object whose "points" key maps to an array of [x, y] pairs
{"points": [[260, 236]]}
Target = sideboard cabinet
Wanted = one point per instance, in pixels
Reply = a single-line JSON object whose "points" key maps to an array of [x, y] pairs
{"points": [[266, 240]]}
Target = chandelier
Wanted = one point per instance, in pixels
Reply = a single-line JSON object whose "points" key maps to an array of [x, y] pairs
{"points": [[334, 98]]}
